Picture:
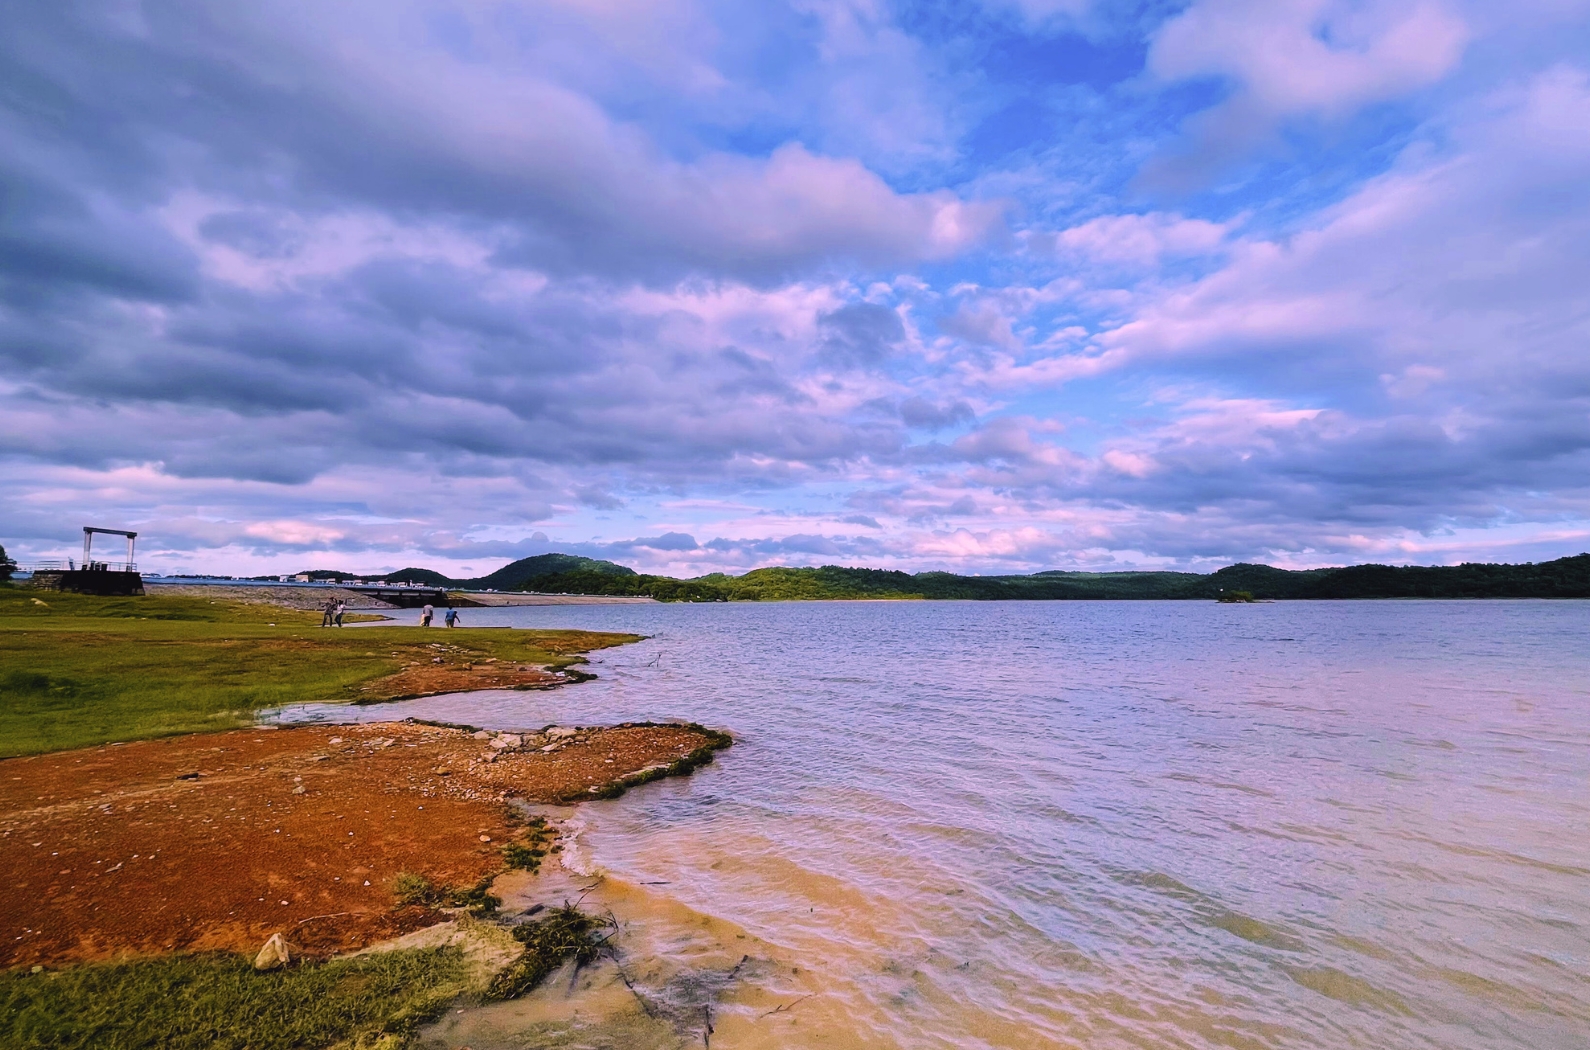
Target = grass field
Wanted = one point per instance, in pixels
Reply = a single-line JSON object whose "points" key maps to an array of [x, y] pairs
{"points": [[78, 670], [219, 1002]]}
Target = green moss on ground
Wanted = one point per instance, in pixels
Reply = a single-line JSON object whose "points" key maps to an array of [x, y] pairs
{"points": [[562, 934], [412, 888], [79, 670], [683, 766], [529, 852], [219, 1002]]}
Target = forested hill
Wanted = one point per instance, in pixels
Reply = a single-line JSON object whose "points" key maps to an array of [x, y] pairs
{"points": [[566, 574]]}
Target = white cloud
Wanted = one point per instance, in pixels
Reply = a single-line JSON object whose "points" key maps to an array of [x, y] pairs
{"points": [[1297, 58]]}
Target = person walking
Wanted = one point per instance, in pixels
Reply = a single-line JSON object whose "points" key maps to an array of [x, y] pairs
{"points": [[451, 617], [426, 614], [342, 607], [327, 611]]}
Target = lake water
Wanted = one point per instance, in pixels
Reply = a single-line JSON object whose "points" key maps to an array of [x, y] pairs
{"points": [[947, 824]]}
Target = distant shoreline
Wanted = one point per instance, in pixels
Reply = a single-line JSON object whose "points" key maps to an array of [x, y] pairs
{"points": [[588, 579], [309, 596]]}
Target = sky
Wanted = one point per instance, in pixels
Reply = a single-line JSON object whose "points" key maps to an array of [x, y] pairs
{"points": [[976, 285]]}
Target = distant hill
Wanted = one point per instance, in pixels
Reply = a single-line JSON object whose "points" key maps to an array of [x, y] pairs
{"points": [[569, 574], [1563, 578], [425, 577], [523, 574]]}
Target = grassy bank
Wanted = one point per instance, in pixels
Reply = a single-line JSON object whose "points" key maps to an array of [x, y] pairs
{"points": [[78, 670], [219, 1002]]}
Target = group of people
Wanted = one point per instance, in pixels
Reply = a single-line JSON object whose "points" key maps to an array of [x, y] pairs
{"points": [[331, 612], [428, 613]]}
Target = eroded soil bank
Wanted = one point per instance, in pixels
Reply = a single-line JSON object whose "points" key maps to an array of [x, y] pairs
{"points": [[216, 841]]}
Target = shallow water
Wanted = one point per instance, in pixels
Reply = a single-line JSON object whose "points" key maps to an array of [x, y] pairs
{"points": [[1342, 824]]}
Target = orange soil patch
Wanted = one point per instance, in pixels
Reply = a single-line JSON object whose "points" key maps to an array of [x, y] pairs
{"points": [[219, 840], [435, 679]]}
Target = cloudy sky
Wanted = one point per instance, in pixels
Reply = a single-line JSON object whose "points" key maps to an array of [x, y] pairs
{"points": [[980, 285]]}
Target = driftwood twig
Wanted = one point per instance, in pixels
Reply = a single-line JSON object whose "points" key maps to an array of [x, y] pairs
{"points": [[786, 1006]]}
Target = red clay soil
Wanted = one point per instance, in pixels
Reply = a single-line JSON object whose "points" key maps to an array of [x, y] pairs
{"points": [[434, 679], [123, 850]]}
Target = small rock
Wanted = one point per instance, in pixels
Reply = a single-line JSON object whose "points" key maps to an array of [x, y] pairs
{"points": [[552, 747], [442, 771], [485, 838], [299, 790], [561, 732], [507, 740], [481, 734], [275, 954], [335, 740]]}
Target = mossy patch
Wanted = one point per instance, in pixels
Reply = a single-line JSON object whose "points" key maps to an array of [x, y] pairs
{"points": [[528, 853], [411, 888], [220, 1002], [564, 933], [703, 755]]}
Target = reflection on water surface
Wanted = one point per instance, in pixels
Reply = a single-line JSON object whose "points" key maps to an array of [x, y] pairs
{"points": [[1345, 824]]}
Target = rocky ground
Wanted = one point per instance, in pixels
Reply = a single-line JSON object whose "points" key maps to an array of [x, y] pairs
{"points": [[288, 597], [218, 841]]}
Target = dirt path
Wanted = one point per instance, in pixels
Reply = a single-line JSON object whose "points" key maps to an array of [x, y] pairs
{"points": [[219, 840]]}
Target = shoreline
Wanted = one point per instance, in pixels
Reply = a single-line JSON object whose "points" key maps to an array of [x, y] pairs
{"points": [[214, 842]]}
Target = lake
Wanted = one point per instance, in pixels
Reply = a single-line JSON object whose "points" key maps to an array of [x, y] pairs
{"points": [[1065, 824]]}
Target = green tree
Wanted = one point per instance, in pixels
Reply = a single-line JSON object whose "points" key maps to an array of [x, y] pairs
{"points": [[7, 566]]}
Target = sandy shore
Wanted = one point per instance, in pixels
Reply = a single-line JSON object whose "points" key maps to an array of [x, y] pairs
{"points": [[216, 841]]}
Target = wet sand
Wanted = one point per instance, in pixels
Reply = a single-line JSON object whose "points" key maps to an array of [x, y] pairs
{"points": [[217, 841]]}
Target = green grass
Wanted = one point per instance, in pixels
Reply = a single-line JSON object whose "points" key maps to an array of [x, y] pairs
{"points": [[78, 670], [219, 1002], [411, 888]]}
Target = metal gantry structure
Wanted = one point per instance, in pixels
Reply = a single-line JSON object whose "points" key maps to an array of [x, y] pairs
{"points": [[88, 546]]}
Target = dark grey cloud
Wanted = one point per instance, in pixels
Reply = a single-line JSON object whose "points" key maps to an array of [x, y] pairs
{"points": [[860, 335], [285, 279]]}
